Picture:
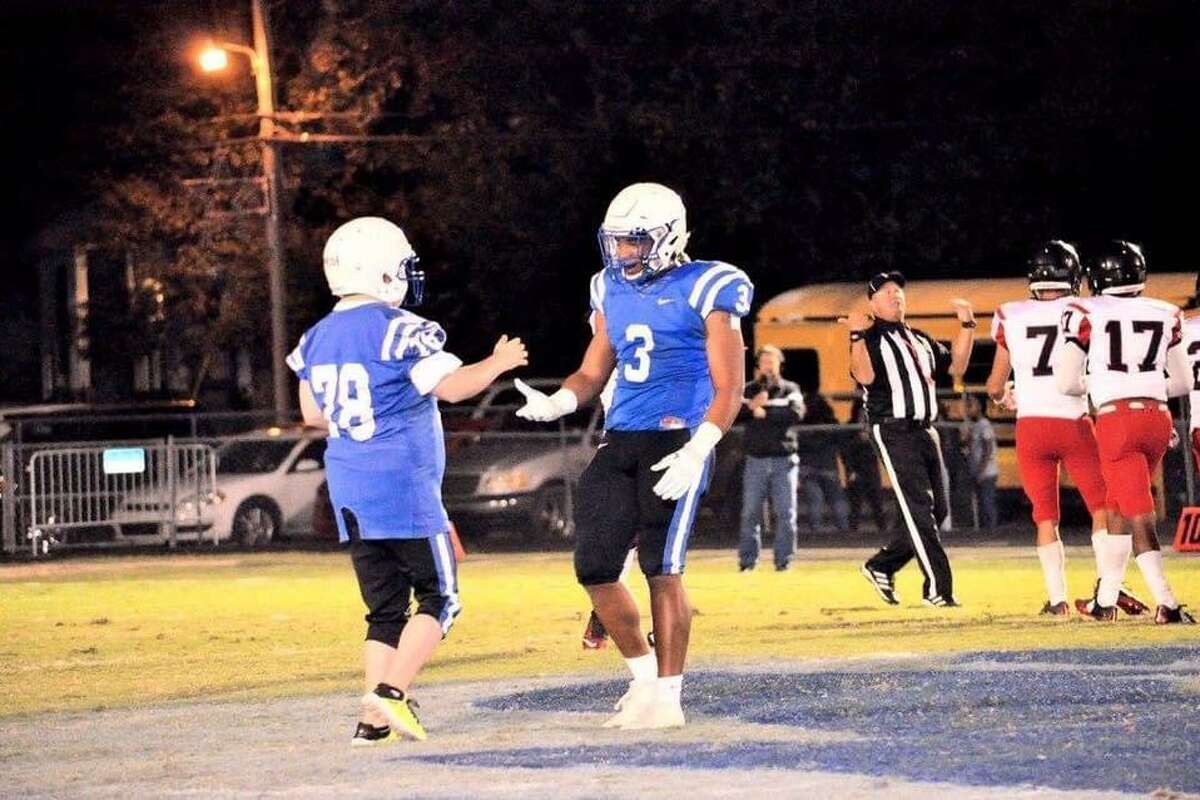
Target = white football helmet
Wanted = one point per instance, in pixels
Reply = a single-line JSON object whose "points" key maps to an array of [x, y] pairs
{"points": [[644, 232], [372, 256]]}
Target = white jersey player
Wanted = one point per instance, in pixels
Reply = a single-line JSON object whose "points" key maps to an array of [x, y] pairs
{"points": [[1053, 428], [1126, 352]]}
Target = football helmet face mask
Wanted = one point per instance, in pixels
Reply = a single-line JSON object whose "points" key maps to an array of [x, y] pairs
{"points": [[372, 256], [644, 233], [1120, 268], [1055, 266]]}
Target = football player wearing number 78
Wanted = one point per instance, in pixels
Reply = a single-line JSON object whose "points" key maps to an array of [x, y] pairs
{"points": [[670, 328], [371, 373]]}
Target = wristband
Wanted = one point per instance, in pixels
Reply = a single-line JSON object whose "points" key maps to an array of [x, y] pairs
{"points": [[565, 401]]}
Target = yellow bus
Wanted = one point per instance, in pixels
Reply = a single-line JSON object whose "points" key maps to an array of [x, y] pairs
{"points": [[803, 323]]}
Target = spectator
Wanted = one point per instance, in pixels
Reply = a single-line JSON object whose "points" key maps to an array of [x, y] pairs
{"points": [[979, 446], [771, 408], [819, 479], [863, 486]]}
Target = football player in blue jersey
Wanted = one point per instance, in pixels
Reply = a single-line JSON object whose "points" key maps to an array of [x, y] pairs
{"points": [[371, 372], [670, 328]]}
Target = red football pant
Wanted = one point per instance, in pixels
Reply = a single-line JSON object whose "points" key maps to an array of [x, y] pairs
{"points": [[1133, 439], [1045, 442]]}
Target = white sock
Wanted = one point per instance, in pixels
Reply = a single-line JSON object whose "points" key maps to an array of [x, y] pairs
{"points": [[670, 688], [1151, 565], [1053, 571], [644, 668], [1112, 574], [1099, 537]]}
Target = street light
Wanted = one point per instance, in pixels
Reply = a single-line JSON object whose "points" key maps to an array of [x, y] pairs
{"points": [[214, 58]]}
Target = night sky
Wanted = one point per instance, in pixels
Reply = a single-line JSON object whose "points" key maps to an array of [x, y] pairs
{"points": [[810, 143]]}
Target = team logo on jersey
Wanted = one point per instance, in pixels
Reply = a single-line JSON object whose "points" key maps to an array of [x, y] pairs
{"points": [[671, 423], [429, 339]]}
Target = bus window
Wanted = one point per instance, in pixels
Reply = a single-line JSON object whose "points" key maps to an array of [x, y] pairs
{"points": [[803, 366]]}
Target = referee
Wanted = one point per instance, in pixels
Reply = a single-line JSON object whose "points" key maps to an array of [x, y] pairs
{"points": [[897, 367]]}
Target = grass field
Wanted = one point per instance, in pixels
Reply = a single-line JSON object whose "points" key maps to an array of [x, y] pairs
{"points": [[110, 632]]}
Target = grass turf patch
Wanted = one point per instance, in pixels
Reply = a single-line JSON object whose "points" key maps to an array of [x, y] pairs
{"points": [[91, 633]]}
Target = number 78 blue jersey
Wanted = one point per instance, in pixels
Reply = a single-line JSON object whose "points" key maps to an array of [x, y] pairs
{"points": [[373, 368], [657, 332]]}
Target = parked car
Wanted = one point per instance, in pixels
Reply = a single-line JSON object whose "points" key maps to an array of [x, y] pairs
{"points": [[505, 473], [265, 487]]}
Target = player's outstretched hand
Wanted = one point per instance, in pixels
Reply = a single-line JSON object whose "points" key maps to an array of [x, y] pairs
{"points": [[542, 407], [510, 353], [680, 470]]}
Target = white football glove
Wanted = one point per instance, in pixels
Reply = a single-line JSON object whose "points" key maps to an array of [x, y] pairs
{"points": [[542, 407], [685, 466]]}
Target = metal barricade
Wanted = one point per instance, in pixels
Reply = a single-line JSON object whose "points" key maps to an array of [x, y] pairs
{"points": [[88, 495]]}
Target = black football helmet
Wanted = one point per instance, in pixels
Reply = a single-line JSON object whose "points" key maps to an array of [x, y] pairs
{"points": [[1119, 268], [1055, 265]]}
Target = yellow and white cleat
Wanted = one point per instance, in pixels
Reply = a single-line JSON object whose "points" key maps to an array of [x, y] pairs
{"points": [[373, 735], [400, 710]]}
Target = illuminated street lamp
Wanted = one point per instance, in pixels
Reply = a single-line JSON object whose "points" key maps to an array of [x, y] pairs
{"points": [[214, 58]]}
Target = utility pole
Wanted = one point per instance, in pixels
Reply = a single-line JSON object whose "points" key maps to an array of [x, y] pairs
{"points": [[272, 176]]}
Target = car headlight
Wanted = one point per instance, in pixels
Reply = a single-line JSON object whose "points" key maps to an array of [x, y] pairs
{"points": [[507, 481], [191, 505]]}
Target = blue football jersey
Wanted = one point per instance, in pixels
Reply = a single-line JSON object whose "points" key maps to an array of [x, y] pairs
{"points": [[372, 368], [657, 332]]}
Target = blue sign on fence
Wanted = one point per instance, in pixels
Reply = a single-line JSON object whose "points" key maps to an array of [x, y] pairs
{"points": [[124, 461]]}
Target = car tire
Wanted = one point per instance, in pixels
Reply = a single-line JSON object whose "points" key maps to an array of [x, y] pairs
{"points": [[256, 522], [551, 516]]}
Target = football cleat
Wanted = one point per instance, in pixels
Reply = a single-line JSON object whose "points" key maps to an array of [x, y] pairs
{"points": [[1127, 601], [661, 712], [941, 601], [366, 735], [595, 636], [883, 583], [1165, 615], [400, 710], [1060, 609], [1092, 610], [639, 695]]}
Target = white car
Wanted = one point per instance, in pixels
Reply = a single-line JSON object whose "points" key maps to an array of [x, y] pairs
{"points": [[506, 473], [265, 488]]}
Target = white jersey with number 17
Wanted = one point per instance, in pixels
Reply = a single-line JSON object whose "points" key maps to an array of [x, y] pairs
{"points": [[1127, 341], [1029, 331]]}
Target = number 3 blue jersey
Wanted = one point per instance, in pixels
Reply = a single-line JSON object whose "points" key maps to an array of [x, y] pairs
{"points": [[657, 332], [372, 368]]}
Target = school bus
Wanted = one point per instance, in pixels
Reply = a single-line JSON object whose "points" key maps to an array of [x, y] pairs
{"points": [[804, 324]]}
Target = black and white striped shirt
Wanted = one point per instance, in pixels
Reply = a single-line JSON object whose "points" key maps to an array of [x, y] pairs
{"points": [[907, 363]]}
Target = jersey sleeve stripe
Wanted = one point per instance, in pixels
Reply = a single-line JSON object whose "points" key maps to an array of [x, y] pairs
{"points": [[703, 281], [295, 359], [427, 373], [711, 299], [385, 353]]}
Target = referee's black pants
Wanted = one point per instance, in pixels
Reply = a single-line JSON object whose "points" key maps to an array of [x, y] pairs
{"points": [[912, 456]]}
